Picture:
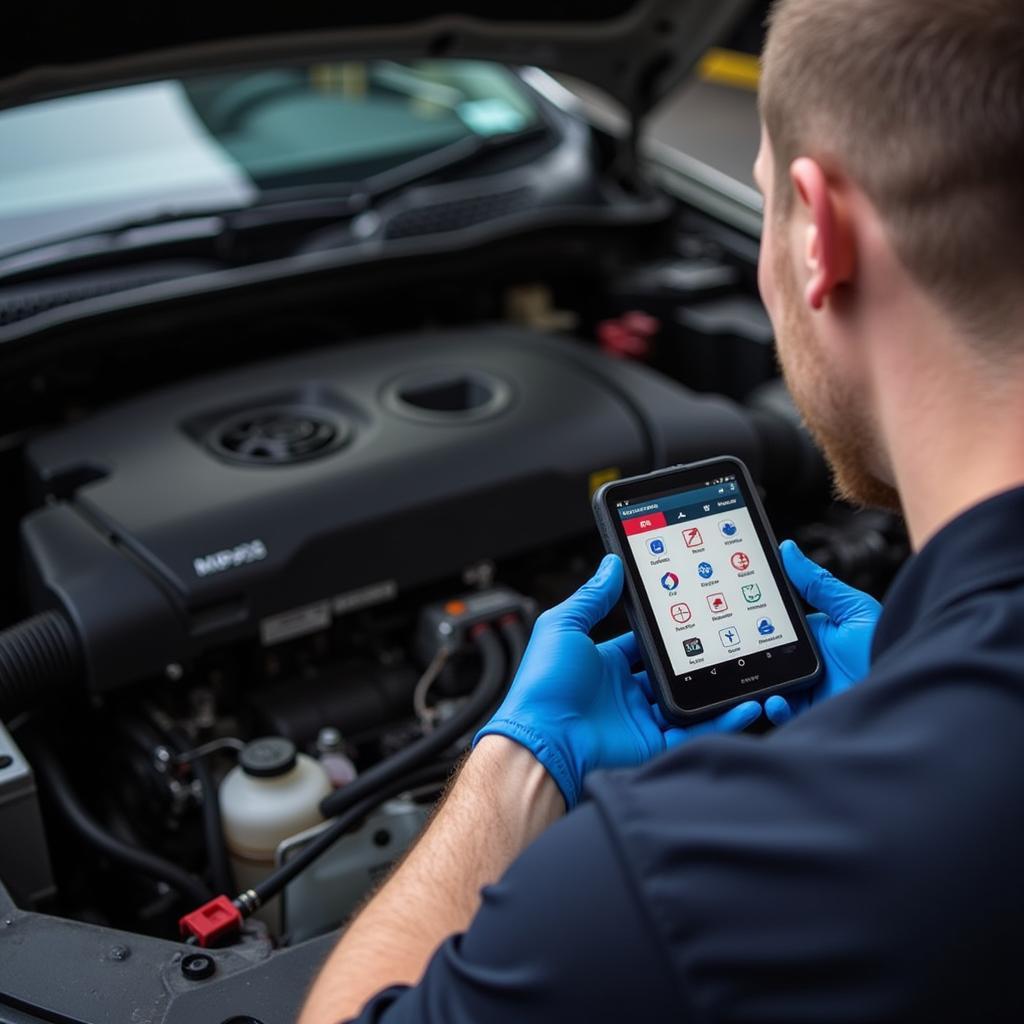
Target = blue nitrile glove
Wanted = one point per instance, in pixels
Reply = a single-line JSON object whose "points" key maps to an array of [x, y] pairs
{"points": [[843, 627], [577, 705]]}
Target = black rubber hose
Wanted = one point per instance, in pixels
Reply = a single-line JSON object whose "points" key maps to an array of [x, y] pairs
{"points": [[55, 781], [39, 658], [483, 697], [270, 886], [514, 632], [221, 873]]}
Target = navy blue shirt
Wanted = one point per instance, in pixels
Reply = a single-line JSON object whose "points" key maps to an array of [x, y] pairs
{"points": [[863, 863]]}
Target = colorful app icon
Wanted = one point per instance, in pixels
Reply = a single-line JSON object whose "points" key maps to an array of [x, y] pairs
{"points": [[656, 546], [681, 613], [751, 593], [765, 627], [692, 537], [705, 571], [717, 602], [740, 561], [728, 528], [670, 581], [730, 636], [692, 647]]}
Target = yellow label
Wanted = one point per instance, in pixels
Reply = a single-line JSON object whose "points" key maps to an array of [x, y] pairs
{"points": [[728, 67], [602, 476]]}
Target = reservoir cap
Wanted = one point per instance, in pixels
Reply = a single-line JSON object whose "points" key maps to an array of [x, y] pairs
{"points": [[267, 757]]}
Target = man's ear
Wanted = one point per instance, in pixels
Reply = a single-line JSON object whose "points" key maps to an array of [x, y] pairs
{"points": [[830, 250]]}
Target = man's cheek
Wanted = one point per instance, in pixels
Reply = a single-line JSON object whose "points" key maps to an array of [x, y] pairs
{"points": [[766, 281]]}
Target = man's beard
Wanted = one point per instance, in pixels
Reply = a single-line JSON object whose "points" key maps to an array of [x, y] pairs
{"points": [[832, 412]]}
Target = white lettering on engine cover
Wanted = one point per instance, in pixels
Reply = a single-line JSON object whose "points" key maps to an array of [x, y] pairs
{"points": [[230, 558]]}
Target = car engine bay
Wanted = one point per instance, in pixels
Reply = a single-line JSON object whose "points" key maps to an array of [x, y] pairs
{"points": [[274, 566]]}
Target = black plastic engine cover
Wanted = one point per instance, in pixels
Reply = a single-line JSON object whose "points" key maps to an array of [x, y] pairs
{"points": [[267, 501]]}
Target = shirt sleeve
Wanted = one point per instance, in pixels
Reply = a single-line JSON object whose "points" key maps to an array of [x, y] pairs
{"points": [[560, 937]]}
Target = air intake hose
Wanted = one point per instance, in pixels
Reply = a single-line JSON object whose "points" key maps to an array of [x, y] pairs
{"points": [[39, 659]]}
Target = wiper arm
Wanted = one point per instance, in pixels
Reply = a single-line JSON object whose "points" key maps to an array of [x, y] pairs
{"points": [[173, 227], [339, 202], [127, 236]]}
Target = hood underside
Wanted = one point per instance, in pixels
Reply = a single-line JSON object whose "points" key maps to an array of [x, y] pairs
{"points": [[635, 51]]}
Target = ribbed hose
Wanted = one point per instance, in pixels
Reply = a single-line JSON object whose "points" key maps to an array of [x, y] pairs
{"points": [[39, 658], [488, 689]]}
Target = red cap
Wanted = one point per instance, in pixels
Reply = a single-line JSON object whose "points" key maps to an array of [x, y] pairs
{"points": [[628, 336], [211, 921]]}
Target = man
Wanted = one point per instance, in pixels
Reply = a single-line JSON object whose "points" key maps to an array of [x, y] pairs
{"points": [[862, 862]]}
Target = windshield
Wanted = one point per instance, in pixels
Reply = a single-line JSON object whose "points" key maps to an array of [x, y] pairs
{"points": [[224, 141]]}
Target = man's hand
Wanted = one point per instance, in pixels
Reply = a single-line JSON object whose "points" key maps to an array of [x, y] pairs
{"points": [[577, 705], [843, 627]]}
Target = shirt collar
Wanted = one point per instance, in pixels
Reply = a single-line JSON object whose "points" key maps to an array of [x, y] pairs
{"points": [[981, 548]]}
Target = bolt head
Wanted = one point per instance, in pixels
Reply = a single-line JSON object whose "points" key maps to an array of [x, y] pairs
{"points": [[197, 966]]}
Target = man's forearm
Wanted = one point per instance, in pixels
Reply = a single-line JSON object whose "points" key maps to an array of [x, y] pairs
{"points": [[502, 800]]}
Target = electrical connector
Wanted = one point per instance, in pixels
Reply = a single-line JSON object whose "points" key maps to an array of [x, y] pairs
{"points": [[447, 624], [211, 922]]}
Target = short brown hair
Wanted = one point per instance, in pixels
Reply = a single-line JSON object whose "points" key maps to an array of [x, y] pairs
{"points": [[922, 104]]}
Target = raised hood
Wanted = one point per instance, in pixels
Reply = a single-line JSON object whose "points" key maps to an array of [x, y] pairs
{"points": [[635, 51]]}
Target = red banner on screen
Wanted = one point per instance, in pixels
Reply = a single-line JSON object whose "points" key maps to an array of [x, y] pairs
{"points": [[641, 524]]}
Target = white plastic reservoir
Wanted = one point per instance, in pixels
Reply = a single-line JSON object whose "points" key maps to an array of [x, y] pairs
{"points": [[271, 794]]}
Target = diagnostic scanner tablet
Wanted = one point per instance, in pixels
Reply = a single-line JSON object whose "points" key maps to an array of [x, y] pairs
{"points": [[706, 592]]}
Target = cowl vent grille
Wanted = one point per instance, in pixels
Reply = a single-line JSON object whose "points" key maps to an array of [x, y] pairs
{"points": [[20, 302], [454, 214]]}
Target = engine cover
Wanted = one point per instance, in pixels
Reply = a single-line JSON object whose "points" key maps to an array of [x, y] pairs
{"points": [[268, 501]]}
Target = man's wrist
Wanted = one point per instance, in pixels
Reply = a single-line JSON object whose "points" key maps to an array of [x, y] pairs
{"points": [[525, 797], [541, 749]]}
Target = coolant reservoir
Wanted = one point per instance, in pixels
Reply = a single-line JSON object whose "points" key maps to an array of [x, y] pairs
{"points": [[271, 794]]}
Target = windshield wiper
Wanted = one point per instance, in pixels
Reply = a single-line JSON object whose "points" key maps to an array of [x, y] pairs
{"points": [[291, 207]]}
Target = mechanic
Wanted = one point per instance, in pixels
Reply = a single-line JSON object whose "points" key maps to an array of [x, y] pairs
{"points": [[863, 862]]}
